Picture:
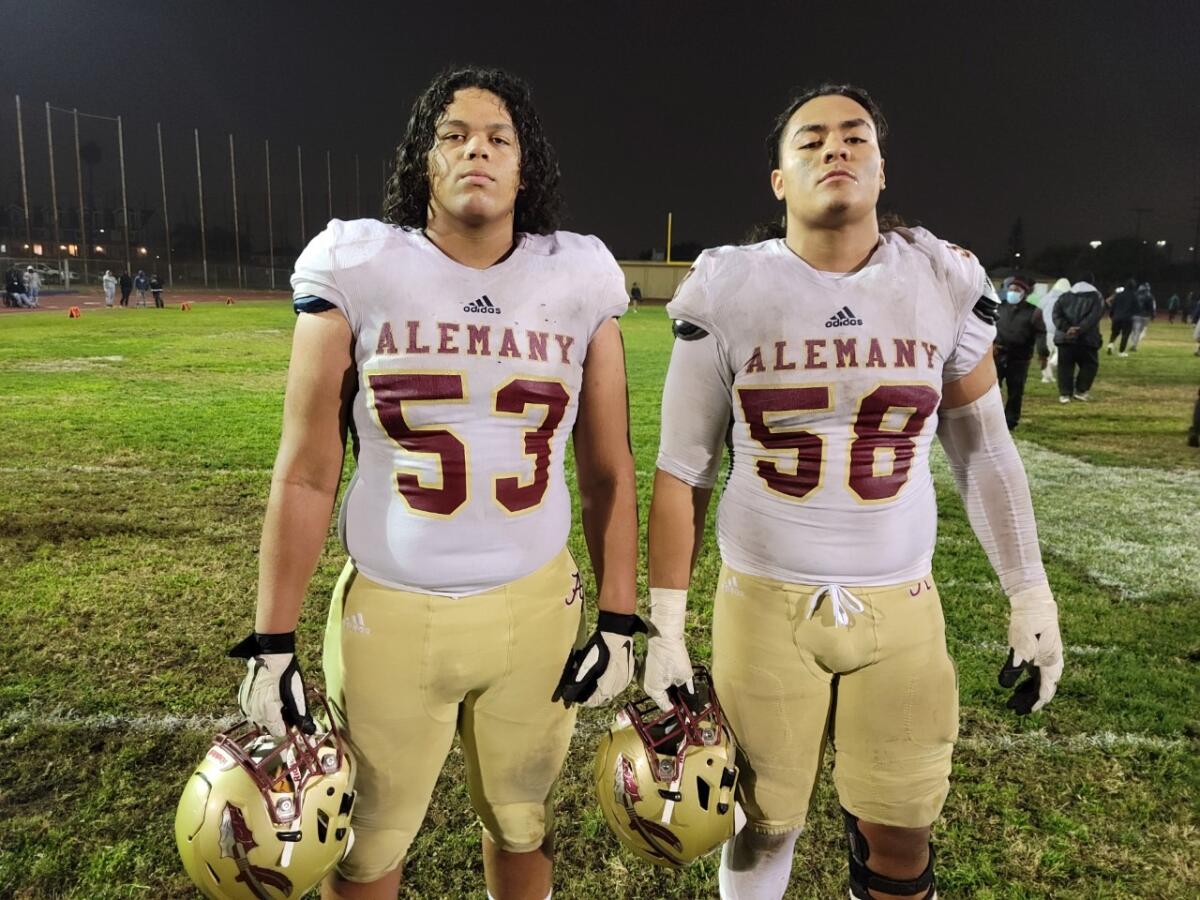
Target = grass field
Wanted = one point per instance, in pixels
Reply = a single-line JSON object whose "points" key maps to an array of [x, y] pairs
{"points": [[135, 459]]}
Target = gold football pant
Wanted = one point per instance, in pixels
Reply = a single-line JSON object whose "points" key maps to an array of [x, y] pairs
{"points": [[406, 671], [881, 687]]}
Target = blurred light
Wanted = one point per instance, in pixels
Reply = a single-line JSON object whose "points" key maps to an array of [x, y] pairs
{"points": [[1095, 244], [142, 250], [1120, 289], [102, 231], [99, 249], [62, 246], [1018, 255], [1160, 243]]}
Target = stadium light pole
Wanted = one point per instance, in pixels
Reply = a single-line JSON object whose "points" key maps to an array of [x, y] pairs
{"points": [[83, 240], [24, 185], [270, 220], [357, 193], [668, 238], [237, 241], [124, 197], [300, 174], [200, 194], [54, 199], [162, 177]]}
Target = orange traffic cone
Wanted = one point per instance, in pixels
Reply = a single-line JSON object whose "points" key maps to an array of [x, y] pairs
{"points": [[74, 312], [229, 301], [185, 306]]}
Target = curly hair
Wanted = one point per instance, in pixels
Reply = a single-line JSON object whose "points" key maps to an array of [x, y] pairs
{"points": [[826, 89], [539, 204]]}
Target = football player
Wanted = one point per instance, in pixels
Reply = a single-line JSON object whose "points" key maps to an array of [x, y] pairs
{"points": [[830, 358], [460, 344]]}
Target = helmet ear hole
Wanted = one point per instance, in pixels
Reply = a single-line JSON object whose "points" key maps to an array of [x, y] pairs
{"points": [[702, 792]]}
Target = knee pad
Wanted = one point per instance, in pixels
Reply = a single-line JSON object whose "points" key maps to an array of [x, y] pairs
{"points": [[863, 880]]}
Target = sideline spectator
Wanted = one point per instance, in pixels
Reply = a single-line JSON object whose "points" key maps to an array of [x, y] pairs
{"points": [[14, 290], [1143, 315], [110, 287], [1122, 307], [156, 289], [1047, 350], [1018, 326], [141, 284], [1173, 308], [126, 286], [635, 294], [33, 284], [1077, 334], [1191, 309]]}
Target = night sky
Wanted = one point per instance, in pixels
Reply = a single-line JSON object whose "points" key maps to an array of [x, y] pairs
{"points": [[1069, 115]]}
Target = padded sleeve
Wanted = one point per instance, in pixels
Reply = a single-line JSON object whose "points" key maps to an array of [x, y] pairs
{"points": [[695, 408], [314, 278]]}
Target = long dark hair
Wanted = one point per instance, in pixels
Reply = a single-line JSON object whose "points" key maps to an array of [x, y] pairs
{"points": [[538, 205]]}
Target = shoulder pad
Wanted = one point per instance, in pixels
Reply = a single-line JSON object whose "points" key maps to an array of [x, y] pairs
{"points": [[686, 331], [311, 304], [987, 310]]}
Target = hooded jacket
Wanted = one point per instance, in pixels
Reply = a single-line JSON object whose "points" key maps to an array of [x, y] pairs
{"points": [[1080, 308]]}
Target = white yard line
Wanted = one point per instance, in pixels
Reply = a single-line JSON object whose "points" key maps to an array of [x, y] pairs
{"points": [[1134, 530], [76, 721]]}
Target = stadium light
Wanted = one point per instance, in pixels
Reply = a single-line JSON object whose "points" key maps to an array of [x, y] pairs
{"points": [[1160, 243], [142, 251], [99, 249], [1095, 245]]}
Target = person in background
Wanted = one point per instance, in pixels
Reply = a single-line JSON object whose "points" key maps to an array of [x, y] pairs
{"points": [[1077, 333], [33, 285], [635, 295], [1047, 351], [126, 287], [1017, 331], [1122, 305], [14, 288], [156, 288], [1191, 308], [142, 284], [1143, 315], [110, 287], [1174, 307]]}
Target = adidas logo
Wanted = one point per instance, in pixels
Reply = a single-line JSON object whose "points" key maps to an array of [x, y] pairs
{"points": [[843, 316], [482, 305], [355, 623]]}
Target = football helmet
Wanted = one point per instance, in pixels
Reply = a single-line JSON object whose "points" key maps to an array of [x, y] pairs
{"points": [[666, 779], [265, 818]]}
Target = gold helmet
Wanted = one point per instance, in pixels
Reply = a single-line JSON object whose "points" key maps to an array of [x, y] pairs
{"points": [[266, 818], [666, 780]]}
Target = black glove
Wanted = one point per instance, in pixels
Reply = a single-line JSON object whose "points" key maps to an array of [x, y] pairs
{"points": [[597, 672], [272, 693]]}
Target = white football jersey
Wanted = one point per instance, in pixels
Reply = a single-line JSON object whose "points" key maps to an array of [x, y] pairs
{"points": [[828, 386], [468, 387]]}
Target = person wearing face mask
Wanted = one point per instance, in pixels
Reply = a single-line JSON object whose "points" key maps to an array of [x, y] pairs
{"points": [[1016, 337]]}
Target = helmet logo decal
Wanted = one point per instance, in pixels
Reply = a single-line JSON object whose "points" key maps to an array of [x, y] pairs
{"points": [[627, 786], [237, 840]]}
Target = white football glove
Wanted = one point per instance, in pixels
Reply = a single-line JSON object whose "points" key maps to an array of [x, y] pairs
{"points": [[1034, 644], [667, 662], [272, 693], [596, 673]]}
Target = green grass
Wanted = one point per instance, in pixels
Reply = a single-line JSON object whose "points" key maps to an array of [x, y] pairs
{"points": [[136, 454]]}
